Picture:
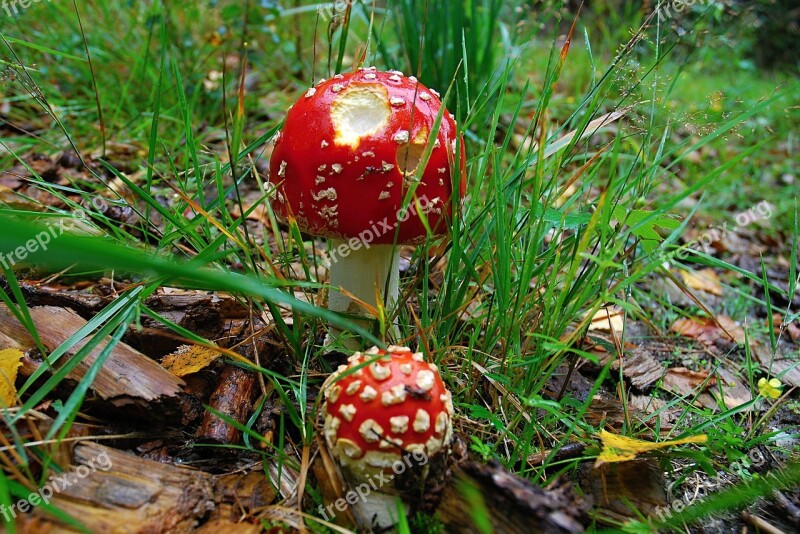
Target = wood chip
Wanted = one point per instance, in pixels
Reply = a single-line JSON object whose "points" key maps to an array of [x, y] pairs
{"points": [[127, 378]]}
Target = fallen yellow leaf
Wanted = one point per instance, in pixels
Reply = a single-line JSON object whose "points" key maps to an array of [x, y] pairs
{"points": [[618, 448], [10, 360], [607, 319], [703, 280], [189, 359]]}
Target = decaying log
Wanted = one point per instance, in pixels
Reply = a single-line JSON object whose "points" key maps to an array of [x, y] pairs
{"points": [[512, 504], [234, 398], [128, 379], [120, 492]]}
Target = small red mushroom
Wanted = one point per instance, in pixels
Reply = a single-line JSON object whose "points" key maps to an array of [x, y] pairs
{"points": [[344, 163], [387, 414]]}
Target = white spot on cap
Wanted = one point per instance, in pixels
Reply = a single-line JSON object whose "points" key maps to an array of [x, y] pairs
{"points": [[424, 96], [412, 79], [425, 380], [336, 167], [436, 143], [406, 368], [435, 92], [370, 430], [370, 76], [323, 144], [398, 72], [327, 194], [390, 443], [394, 78], [373, 350], [330, 212], [321, 167], [349, 448], [368, 154], [347, 411], [401, 137], [332, 394], [368, 394], [386, 166], [321, 80], [337, 87], [396, 101], [441, 423], [417, 357], [380, 372], [395, 395], [353, 387], [397, 349], [422, 421], [442, 170], [282, 169], [338, 76], [311, 92], [384, 195], [321, 179], [433, 445], [447, 399], [399, 424]]}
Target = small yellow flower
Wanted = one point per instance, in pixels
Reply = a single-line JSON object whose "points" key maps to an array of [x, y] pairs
{"points": [[770, 388]]}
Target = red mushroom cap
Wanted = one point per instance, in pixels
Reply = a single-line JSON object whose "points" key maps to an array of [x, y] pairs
{"points": [[396, 403], [339, 161]]}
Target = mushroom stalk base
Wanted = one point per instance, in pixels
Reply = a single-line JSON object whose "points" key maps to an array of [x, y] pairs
{"points": [[360, 271]]}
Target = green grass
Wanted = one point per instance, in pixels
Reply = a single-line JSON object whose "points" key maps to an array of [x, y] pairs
{"points": [[174, 114]]}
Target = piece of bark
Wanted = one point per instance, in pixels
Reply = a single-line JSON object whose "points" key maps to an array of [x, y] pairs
{"points": [[128, 379], [120, 492], [620, 490], [641, 369], [233, 398], [513, 504]]}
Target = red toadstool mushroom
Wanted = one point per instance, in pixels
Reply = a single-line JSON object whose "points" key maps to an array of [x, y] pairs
{"points": [[344, 163], [380, 415]]}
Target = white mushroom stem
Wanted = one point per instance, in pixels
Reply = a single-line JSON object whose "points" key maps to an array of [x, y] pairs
{"points": [[360, 271], [379, 509]]}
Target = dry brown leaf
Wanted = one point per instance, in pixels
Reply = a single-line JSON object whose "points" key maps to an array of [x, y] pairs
{"points": [[706, 331], [607, 319], [704, 280], [10, 360], [189, 359], [682, 381]]}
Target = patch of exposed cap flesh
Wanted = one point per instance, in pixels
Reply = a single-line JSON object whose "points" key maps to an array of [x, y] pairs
{"points": [[359, 111]]}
